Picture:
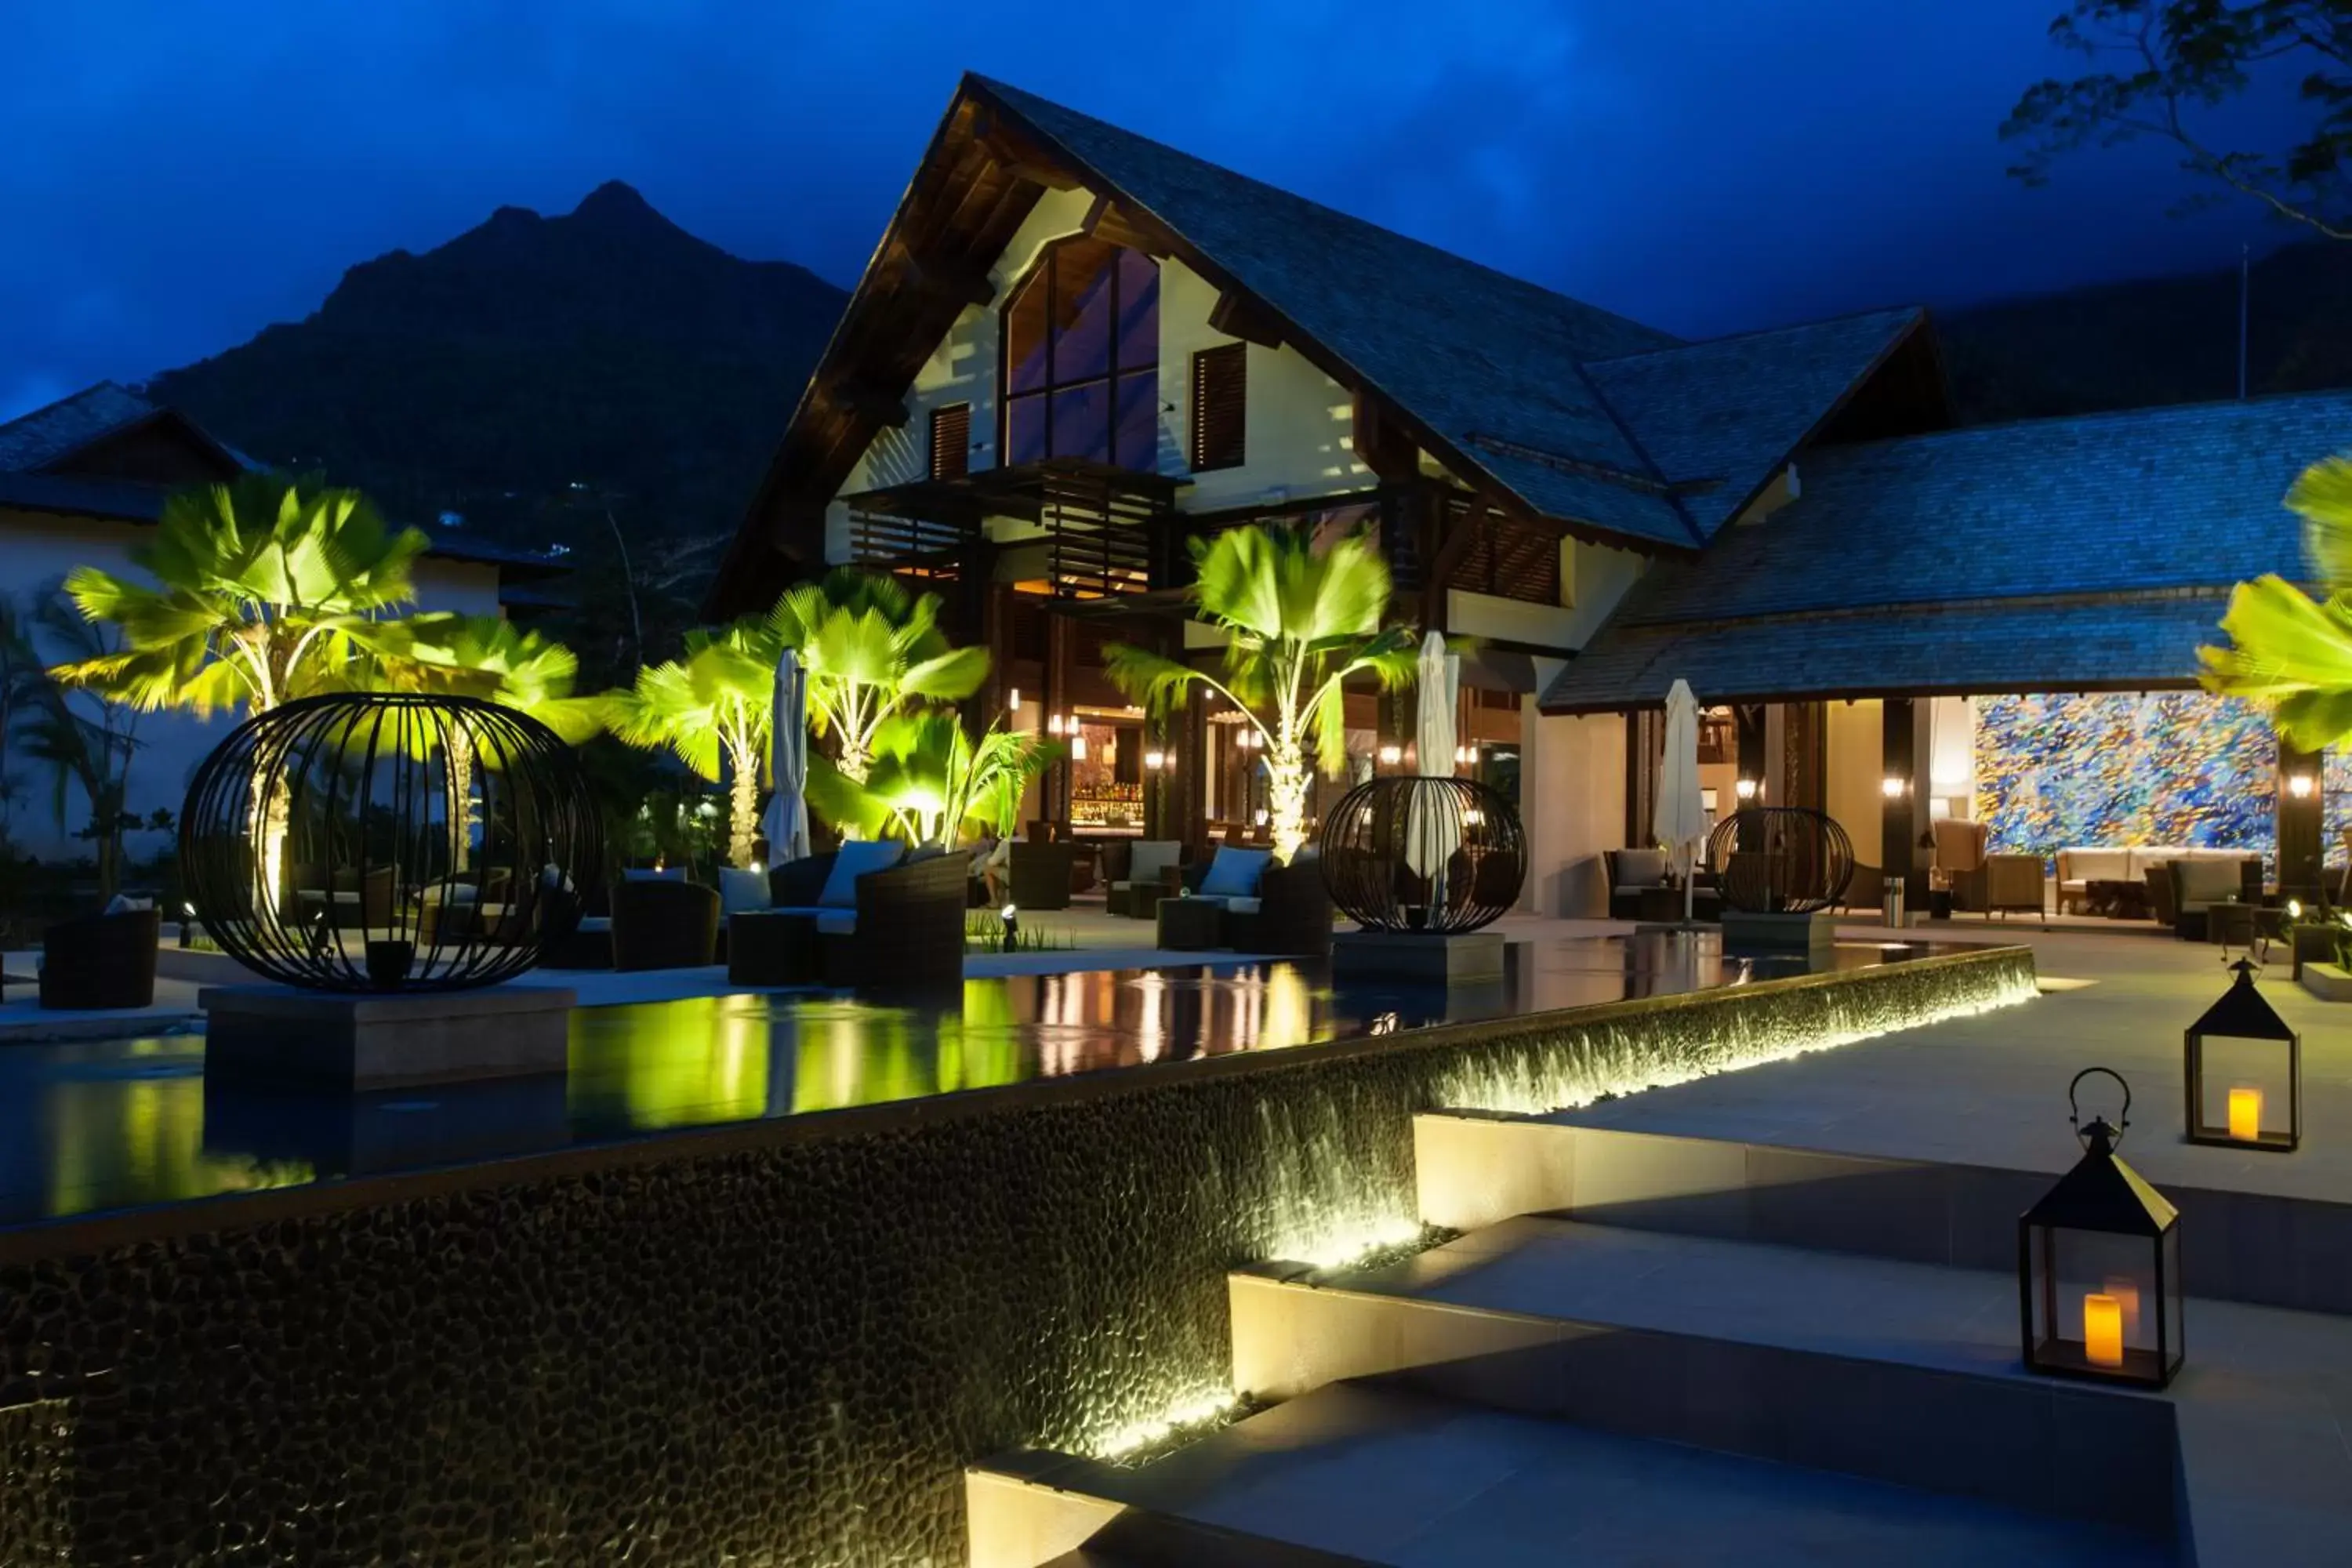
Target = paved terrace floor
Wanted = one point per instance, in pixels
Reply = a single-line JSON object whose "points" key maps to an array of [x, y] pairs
{"points": [[1991, 1091]]}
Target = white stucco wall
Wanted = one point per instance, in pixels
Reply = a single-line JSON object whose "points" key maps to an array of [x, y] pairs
{"points": [[1572, 802], [35, 551], [1299, 440]]}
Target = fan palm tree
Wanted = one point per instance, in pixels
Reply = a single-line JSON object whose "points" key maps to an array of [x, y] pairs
{"points": [[1299, 623], [261, 591], [871, 649], [265, 590], [489, 657], [2287, 649], [715, 709], [929, 778]]}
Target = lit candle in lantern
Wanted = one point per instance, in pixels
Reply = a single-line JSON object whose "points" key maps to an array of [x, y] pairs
{"points": [[2102, 1330], [2246, 1115]]}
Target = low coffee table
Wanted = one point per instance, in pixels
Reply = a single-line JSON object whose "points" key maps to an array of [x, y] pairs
{"points": [[1189, 924], [773, 947], [2116, 899]]}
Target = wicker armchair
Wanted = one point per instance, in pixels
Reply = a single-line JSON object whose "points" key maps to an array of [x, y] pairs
{"points": [[909, 927], [101, 961], [1038, 875], [2014, 883], [665, 925], [1293, 917]]}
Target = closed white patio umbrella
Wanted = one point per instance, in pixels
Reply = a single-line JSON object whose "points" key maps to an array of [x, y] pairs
{"points": [[1430, 835], [787, 818], [1680, 825]]}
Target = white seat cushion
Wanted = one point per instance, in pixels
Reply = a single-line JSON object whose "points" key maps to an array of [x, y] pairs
{"points": [[2101, 864], [853, 860], [1233, 903], [741, 889], [2147, 857]]}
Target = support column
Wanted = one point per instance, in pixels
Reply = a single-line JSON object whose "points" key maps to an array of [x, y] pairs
{"points": [[1058, 782], [1899, 822], [2302, 823], [1753, 766]]}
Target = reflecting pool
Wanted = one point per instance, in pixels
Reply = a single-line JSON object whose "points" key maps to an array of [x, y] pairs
{"points": [[109, 1125]]}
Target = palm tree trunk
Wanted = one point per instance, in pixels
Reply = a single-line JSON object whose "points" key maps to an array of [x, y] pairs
{"points": [[742, 800], [1285, 790], [460, 754]]}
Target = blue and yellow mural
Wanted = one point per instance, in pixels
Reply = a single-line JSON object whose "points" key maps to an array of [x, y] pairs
{"points": [[2174, 767]]}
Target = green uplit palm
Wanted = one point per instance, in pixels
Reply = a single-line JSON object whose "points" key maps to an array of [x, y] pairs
{"points": [[2288, 650], [928, 778], [260, 588], [871, 649], [1300, 622], [714, 707], [489, 657]]}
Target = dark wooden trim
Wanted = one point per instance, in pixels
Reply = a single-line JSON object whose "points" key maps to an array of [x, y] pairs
{"points": [[869, 403], [1238, 315], [1381, 446]]}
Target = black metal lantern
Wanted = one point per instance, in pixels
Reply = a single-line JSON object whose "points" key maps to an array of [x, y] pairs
{"points": [[1780, 860], [2245, 1072], [1413, 854], [2098, 1265], [388, 842]]}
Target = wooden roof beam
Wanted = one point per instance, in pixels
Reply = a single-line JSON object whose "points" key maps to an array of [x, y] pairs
{"points": [[1106, 221], [1382, 445], [941, 281], [867, 403], [1237, 315], [1018, 157]]}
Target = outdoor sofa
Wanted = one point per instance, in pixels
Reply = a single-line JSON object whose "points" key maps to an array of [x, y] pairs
{"points": [[2081, 864], [881, 914], [1262, 908]]}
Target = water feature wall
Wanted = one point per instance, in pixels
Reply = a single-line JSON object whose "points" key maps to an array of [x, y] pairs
{"points": [[774, 1343]]}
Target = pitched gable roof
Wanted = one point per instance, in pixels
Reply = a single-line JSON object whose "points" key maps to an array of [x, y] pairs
{"points": [[33, 441], [1718, 418], [1471, 353], [2047, 555]]}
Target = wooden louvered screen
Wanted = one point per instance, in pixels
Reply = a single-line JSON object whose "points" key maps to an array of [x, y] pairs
{"points": [[952, 441], [1220, 407], [1508, 560]]}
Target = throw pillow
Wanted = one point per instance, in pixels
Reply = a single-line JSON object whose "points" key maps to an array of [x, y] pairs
{"points": [[645, 874], [858, 857], [1234, 873], [740, 889]]}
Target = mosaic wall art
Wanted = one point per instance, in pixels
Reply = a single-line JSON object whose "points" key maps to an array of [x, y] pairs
{"points": [[2175, 767]]}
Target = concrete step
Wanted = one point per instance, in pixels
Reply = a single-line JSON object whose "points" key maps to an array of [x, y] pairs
{"points": [[1353, 1475], [1476, 1169], [1892, 1372]]}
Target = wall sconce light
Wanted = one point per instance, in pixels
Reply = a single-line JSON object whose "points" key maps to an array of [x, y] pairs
{"points": [[1012, 699], [1155, 761], [1260, 817], [1391, 756], [2301, 786], [1748, 789], [1464, 756], [1078, 745], [1706, 799], [1894, 787], [1053, 723]]}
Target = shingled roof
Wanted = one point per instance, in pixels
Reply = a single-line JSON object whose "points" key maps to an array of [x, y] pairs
{"points": [[31, 442], [1471, 352], [2050, 555], [1718, 418]]}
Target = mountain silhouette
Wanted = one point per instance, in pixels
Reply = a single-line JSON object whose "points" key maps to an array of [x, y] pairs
{"points": [[531, 372]]}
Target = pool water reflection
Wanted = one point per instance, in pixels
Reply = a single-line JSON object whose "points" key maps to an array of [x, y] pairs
{"points": [[101, 1125]]}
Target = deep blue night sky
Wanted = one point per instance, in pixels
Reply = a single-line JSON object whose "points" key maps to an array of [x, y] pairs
{"points": [[176, 176]]}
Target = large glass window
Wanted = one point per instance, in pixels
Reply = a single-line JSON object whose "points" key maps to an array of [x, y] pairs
{"points": [[1082, 358]]}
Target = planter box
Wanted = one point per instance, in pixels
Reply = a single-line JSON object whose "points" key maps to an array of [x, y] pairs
{"points": [[2328, 982]]}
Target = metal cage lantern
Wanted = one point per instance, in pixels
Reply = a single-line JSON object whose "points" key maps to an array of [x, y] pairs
{"points": [[1780, 860], [389, 842], [1423, 854], [2098, 1265], [2244, 1068]]}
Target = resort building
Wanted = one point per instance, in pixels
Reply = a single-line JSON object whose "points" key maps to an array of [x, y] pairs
{"points": [[82, 482], [1076, 350]]}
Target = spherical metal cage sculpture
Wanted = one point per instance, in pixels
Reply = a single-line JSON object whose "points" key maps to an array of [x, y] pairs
{"points": [[1780, 860], [1439, 855], [389, 842]]}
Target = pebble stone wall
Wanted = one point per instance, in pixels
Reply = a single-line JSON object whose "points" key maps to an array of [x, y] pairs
{"points": [[771, 1344]]}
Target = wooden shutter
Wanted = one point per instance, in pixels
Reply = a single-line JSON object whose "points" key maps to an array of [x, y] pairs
{"points": [[952, 441], [1220, 407]]}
